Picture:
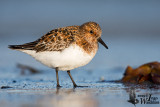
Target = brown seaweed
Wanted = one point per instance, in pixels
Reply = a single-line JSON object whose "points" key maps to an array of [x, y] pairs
{"points": [[149, 72]]}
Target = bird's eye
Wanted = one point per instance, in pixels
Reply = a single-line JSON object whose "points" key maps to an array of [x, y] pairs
{"points": [[91, 31]]}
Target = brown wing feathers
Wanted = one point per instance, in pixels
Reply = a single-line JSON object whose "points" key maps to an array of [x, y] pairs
{"points": [[55, 40]]}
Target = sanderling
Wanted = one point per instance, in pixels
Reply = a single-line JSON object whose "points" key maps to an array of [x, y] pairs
{"points": [[65, 48]]}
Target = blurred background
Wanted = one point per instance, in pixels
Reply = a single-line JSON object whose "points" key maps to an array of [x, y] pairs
{"points": [[131, 28]]}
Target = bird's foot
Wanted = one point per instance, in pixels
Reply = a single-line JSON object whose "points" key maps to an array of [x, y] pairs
{"points": [[58, 86], [76, 86]]}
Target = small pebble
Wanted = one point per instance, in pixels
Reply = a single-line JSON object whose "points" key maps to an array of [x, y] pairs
{"points": [[102, 79], [14, 81]]}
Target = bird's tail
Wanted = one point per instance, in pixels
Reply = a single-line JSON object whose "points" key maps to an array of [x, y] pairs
{"points": [[27, 46], [15, 47]]}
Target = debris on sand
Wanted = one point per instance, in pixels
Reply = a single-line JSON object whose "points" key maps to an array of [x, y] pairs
{"points": [[5, 87], [27, 68], [149, 72]]}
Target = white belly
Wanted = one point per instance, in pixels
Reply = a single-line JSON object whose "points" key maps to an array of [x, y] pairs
{"points": [[68, 59]]}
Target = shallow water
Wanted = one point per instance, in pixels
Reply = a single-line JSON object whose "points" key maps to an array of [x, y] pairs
{"points": [[38, 90], [130, 29]]}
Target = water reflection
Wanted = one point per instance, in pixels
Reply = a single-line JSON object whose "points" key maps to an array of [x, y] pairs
{"points": [[97, 95], [70, 98], [132, 97], [59, 90]]}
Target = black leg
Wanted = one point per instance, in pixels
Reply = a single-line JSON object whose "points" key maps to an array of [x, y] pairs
{"points": [[74, 84], [57, 78]]}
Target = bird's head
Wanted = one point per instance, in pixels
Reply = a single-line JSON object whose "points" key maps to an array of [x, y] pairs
{"points": [[92, 31]]}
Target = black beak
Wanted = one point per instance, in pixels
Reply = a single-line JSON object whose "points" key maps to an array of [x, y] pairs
{"points": [[101, 41]]}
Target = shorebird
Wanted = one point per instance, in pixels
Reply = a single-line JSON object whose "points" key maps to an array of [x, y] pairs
{"points": [[65, 48]]}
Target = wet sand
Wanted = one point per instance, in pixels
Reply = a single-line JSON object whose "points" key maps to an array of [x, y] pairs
{"points": [[39, 90]]}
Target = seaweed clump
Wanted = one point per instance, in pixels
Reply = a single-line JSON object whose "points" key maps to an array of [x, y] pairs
{"points": [[149, 72]]}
